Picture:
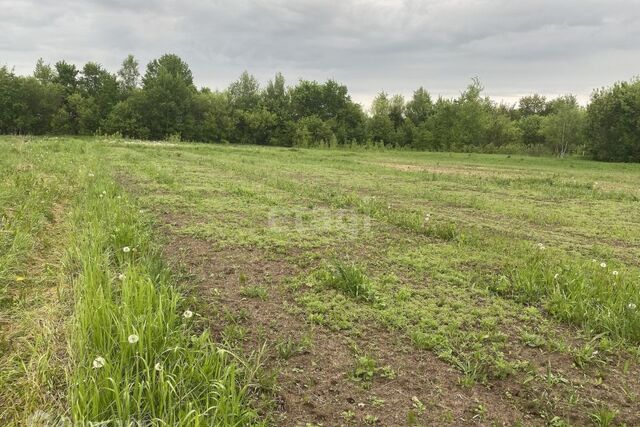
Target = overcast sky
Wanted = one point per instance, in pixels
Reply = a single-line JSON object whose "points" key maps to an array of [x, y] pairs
{"points": [[515, 47]]}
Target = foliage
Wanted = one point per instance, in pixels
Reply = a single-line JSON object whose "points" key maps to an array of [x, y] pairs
{"points": [[614, 124], [65, 99]]}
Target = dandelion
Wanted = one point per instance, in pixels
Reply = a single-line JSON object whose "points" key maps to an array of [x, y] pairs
{"points": [[104, 192], [188, 314], [126, 249], [119, 197], [133, 338], [98, 362], [603, 264], [541, 246], [631, 306], [141, 211], [158, 367], [594, 260], [555, 276], [91, 175], [615, 272], [19, 279], [121, 276]]}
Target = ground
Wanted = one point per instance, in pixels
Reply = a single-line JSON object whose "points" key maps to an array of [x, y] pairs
{"points": [[403, 288]]}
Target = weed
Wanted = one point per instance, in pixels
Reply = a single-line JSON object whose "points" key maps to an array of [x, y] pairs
{"points": [[290, 347], [259, 292], [603, 417], [349, 279]]}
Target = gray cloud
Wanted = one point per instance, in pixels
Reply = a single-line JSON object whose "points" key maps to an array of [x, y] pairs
{"points": [[515, 48]]}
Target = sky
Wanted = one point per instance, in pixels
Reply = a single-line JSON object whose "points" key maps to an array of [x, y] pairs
{"points": [[515, 48]]}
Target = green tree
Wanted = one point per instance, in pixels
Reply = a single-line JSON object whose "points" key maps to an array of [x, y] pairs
{"points": [[420, 107], [532, 105], [166, 99], [67, 76], [531, 129], [244, 93], [43, 72], [129, 75], [614, 122], [563, 127], [127, 119], [215, 118], [277, 100], [38, 104]]}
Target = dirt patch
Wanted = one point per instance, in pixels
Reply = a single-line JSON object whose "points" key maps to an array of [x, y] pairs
{"points": [[316, 384]]}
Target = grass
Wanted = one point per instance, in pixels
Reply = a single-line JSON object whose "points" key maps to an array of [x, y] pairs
{"points": [[512, 271], [134, 354]]}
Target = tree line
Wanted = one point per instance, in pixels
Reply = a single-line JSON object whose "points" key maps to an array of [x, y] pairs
{"points": [[164, 103]]}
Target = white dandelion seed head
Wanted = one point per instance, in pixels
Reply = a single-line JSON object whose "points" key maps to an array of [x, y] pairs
{"points": [[119, 197], [594, 260], [603, 264], [188, 314], [104, 192], [91, 175], [133, 338], [615, 272], [121, 276], [126, 249], [631, 306], [158, 367], [541, 246], [98, 362], [141, 211], [101, 196]]}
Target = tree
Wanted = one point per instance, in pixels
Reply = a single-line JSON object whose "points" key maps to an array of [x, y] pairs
{"points": [[38, 104], [43, 72], [471, 117], [614, 122], [277, 100], [420, 108], [563, 127], [313, 131], [532, 105], [8, 98], [244, 93], [66, 75], [129, 76], [531, 129], [214, 116], [330, 102], [126, 118], [166, 99], [380, 126]]}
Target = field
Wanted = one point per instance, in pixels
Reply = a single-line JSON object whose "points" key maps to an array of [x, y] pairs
{"points": [[202, 284]]}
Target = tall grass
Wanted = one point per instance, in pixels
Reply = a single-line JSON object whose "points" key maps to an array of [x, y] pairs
{"points": [[349, 279], [30, 342], [136, 357], [591, 294]]}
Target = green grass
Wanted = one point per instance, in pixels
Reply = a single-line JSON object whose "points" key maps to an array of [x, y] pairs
{"points": [[134, 354], [485, 261], [153, 366]]}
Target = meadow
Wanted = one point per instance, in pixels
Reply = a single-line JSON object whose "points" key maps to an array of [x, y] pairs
{"points": [[208, 284]]}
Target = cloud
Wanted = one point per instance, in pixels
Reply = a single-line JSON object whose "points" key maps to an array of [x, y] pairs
{"points": [[514, 47]]}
